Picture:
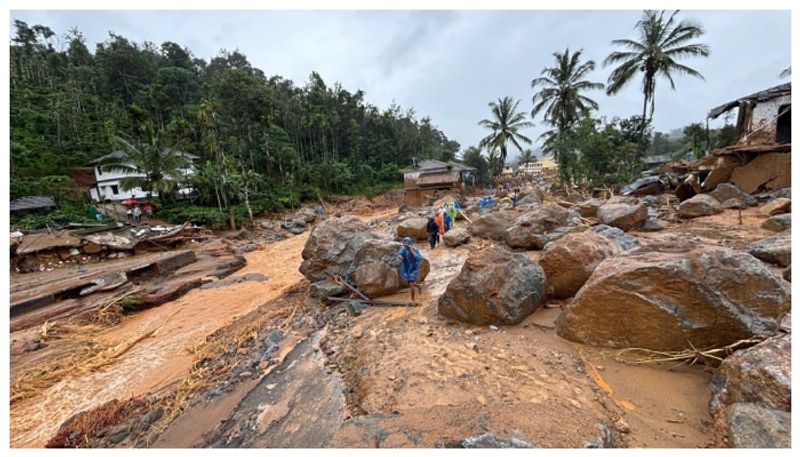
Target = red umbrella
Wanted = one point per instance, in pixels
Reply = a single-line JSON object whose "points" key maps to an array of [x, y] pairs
{"points": [[130, 201]]}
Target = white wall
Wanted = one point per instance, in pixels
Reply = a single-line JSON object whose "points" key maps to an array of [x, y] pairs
{"points": [[107, 179], [767, 112]]}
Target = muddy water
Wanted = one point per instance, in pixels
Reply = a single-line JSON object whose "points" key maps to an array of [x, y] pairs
{"points": [[160, 359]]}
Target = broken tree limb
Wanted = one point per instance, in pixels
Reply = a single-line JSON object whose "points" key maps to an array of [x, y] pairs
{"points": [[339, 280], [464, 215]]}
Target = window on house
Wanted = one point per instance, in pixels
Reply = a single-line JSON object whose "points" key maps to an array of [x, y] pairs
{"points": [[115, 190], [783, 131]]}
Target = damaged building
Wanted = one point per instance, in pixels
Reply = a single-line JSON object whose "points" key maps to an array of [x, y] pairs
{"points": [[765, 117], [431, 179]]}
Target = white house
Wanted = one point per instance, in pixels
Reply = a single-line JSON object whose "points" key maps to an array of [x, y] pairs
{"points": [[108, 185]]}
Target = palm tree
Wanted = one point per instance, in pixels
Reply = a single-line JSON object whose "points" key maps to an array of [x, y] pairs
{"points": [[560, 96], [161, 165], [526, 156], [662, 43], [505, 126], [786, 72]]}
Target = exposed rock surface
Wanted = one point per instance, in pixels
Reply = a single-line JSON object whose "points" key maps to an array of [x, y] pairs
{"points": [[528, 230], [530, 199], [733, 203], [710, 297], [377, 268], [699, 205], [415, 228], [570, 261], [377, 279], [627, 242], [777, 206], [778, 223], [495, 286], [749, 425], [493, 225], [725, 191], [588, 208], [775, 249], [332, 246], [456, 237], [622, 215]]}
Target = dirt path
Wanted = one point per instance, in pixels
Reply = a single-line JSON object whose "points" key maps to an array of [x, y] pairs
{"points": [[161, 359]]}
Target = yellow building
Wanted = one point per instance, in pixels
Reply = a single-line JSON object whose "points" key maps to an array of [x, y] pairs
{"points": [[543, 166]]}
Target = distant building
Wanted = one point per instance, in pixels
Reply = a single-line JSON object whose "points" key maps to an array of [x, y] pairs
{"points": [[429, 178], [507, 170], [108, 186], [32, 203], [765, 117], [652, 163], [542, 166]]}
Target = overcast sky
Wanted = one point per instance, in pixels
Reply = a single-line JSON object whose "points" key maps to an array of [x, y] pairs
{"points": [[450, 64]]}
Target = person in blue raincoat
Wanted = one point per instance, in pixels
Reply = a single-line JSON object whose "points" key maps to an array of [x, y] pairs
{"points": [[409, 266], [448, 221]]}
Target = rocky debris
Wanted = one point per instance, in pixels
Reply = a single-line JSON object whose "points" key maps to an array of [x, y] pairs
{"points": [[761, 374], [604, 440], [495, 286], [623, 216], [493, 225], [588, 208], [415, 228], [530, 229], [652, 224], [627, 242], [530, 199], [649, 201], [699, 205], [570, 261], [332, 246], [775, 249], [733, 203], [307, 215], [456, 237], [766, 171], [785, 192], [294, 226], [486, 440], [382, 250], [258, 277], [777, 206], [688, 188], [326, 288], [725, 191], [711, 297], [645, 186], [778, 223], [749, 425]]}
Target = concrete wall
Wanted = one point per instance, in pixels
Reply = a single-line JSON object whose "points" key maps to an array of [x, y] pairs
{"points": [[763, 121], [107, 179]]}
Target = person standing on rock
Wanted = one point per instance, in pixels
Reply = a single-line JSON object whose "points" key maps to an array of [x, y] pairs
{"points": [[433, 231], [409, 267], [452, 211], [440, 223], [447, 221]]}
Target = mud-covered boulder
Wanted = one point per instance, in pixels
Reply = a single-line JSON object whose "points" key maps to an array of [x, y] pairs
{"points": [[725, 191], [778, 223], [493, 225], [529, 230], [588, 208], [733, 203], [377, 279], [293, 223], [622, 215], [568, 262], [627, 242], [306, 214], [495, 286], [709, 297], [415, 228], [777, 206], [456, 237], [752, 426], [698, 206], [326, 288], [775, 249], [377, 267], [332, 246], [761, 374]]}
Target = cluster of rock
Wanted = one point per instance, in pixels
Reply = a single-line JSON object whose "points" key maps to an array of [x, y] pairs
{"points": [[297, 224]]}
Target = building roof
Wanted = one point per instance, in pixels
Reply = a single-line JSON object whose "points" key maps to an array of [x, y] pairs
{"points": [[121, 155], [428, 179], [435, 165], [32, 202], [764, 95]]}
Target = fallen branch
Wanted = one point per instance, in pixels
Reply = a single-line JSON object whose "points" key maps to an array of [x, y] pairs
{"points": [[690, 355]]}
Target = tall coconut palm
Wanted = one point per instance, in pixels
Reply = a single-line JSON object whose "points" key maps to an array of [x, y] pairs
{"points": [[561, 86], [662, 43], [526, 156], [505, 125], [161, 165], [787, 72]]}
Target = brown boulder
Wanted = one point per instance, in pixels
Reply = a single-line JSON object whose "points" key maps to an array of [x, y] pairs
{"points": [[383, 251], [777, 206], [622, 215], [778, 223], [456, 237], [699, 205], [528, 230], [568, 262], [495, 286], [377, 279], [709, 297], [415, 228], [751, 426], [775, 249], [493, 225], [588, 208], [332, 246]]}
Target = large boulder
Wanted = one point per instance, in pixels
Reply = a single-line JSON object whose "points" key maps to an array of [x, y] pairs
{"points": [[530, 199], [376, 279], [308, 215], [495, 286], [778, 223], [626, 242], [777, 206], [493, 225], [761, 374], [699, 205], [377, 267], [415, 228], [568, 262], [588, 208], [456, 237], [529, 230], [332, 246], [709, 297], [725, 191], [775, 249], [622, 215], [751, 426]]}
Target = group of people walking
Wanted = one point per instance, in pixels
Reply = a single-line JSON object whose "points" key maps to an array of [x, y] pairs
{"points": [[442, 222]]}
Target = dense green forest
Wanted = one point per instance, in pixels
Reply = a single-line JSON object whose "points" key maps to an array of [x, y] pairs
{"points": [[264, 142]]}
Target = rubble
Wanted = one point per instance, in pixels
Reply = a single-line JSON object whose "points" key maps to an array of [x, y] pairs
{"points": [[777, 206], [698, 206], [778, 223], [623, 216], [725, 191], [493, 225], [626, 242], [707, 297], [769, 171], [531, 229], [456, 237]]}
